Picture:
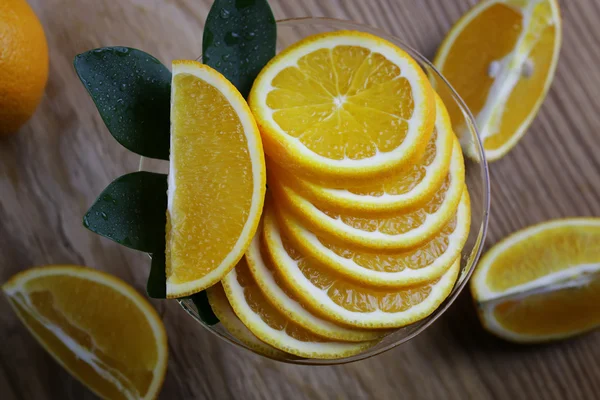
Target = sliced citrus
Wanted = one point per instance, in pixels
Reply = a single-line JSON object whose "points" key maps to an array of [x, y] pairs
{"points": [[222, 309], [275, 291], [401, 191], [273, 327], [394, 232], [216, 179], [340, 300], [541, 283], [501, 57], [343, 104], [74, 312], [426, 262]]}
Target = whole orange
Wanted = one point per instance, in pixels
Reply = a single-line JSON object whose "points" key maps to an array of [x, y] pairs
{"points": [[23, 64]]}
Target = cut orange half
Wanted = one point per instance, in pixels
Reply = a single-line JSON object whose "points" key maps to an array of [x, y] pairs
{"points": [[424, 263], [343, 105], [393, 232], [501, 57], [345, 302], [216, 179], [275, 290], [273, 327], [75, 314], [402, 191], [541, 283], [222, 309]]}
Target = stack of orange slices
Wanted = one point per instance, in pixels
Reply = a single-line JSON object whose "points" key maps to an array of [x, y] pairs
{"points": [[367, 211]]}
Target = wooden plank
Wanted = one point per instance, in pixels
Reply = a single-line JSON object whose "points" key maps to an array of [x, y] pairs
{"points": [[52, 170]]}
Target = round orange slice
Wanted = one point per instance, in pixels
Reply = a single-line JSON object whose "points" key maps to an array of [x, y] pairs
{"points": [[96, 326], [393, 270], [401, 191], [346, 302], [216, 179], [274, 289], [501, 57], [222, 309], [397, 231], [343, 105], [274, 328]]}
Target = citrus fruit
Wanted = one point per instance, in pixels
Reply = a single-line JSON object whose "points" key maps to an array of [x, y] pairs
{"points": [[398, 192], [415, 266], [343, 105], [273, 327], [74, 313], [23, 62], [396, 231], [541, 283], [274, 289], [501, 57], [216, 179], [340, 300], [222, 309]]}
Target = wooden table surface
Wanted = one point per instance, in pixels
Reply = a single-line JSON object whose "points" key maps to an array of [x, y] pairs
{"points": [[54, 168]]}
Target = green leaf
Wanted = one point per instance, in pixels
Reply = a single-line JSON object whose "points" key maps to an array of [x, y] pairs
{"points": [[132, 92], [239, 39], [156, 287], [132, 211], [205, 311]]}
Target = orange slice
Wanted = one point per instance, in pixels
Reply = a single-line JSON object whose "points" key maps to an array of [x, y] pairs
{"points": [[402, 191], [343, 105], [74, 313], [273, 327], [416, 266], [274, 289], [395, 232], [346, 302], [222, 309], [216, 179], [501, 57], [541, 283]]}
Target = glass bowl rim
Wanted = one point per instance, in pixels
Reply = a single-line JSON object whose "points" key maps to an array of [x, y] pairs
{"points": [[477, 247]]}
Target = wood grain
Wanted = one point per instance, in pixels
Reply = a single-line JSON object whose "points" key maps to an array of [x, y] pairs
{"points": [[53, 169]]}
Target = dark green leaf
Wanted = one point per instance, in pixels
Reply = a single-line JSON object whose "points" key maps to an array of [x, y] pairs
{"points": [[239, 39], [205, 311], [132, 211], [132, 92], [156, 287]]}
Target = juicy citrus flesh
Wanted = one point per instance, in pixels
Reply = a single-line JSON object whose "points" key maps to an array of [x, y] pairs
{"points": [[395, 231], [216, 179], [343, 301], [405, 268], [273, 327], [343, 103], [500, 58], [65, 308], [279, 295], [401, 191], [541, 283], [23, 62], [554, 314], [222, 309]]}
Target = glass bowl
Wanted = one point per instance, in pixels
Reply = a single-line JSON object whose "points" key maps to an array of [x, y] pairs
{"points": [[292, 30]]}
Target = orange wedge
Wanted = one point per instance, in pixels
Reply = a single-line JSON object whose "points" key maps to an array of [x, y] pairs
{"points": [[343, 105], [393, 232], [541, 283], [501, 57], [216, 179], [399, 192], [75, 314], [345, 302]]}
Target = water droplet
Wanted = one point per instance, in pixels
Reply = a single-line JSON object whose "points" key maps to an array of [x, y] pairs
{"points": [[104, 216], [224, 13], [225, 57], [107, 197], [232, 38]]}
